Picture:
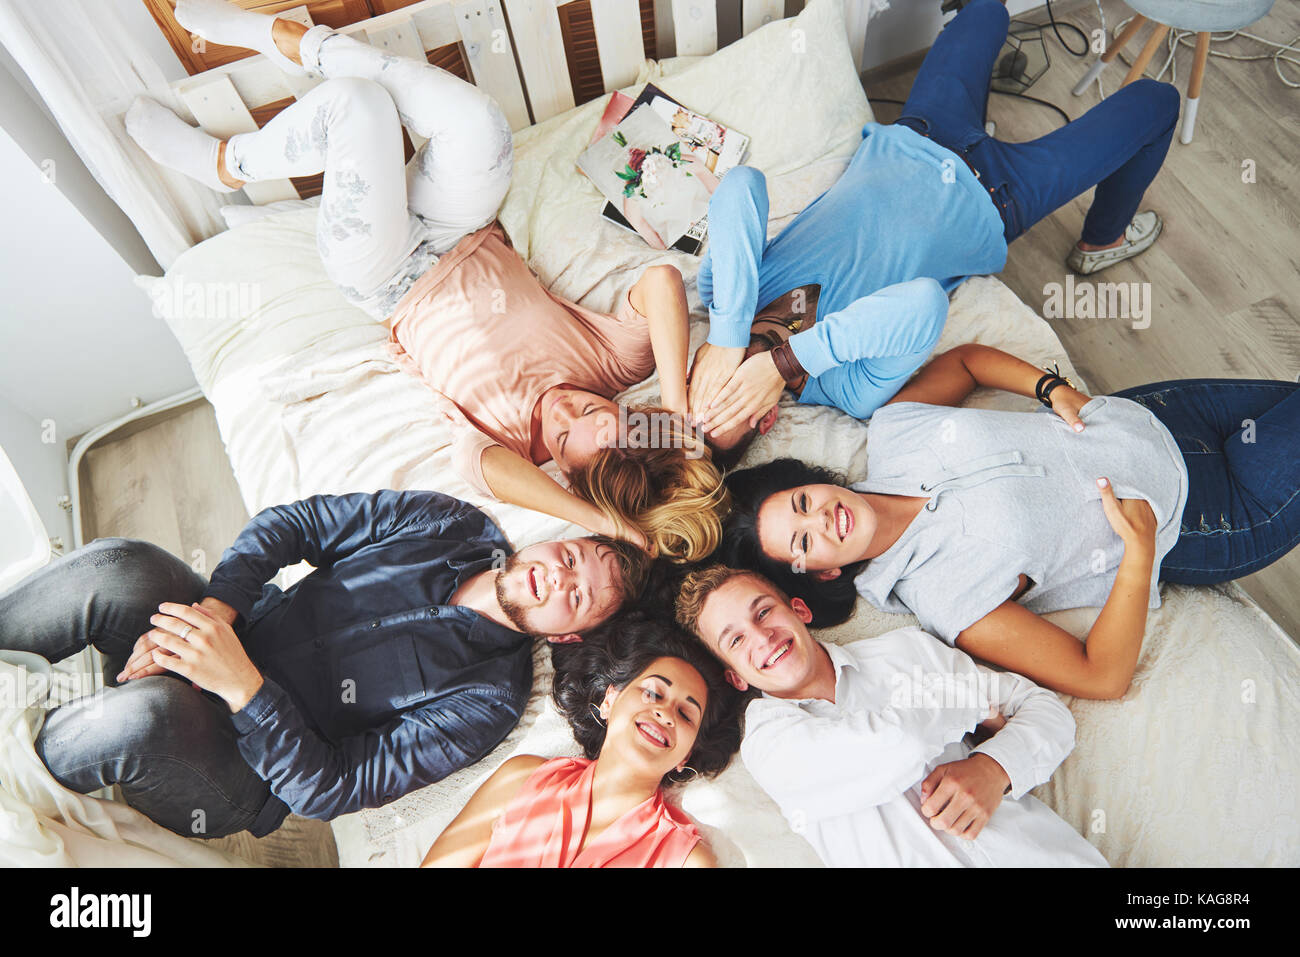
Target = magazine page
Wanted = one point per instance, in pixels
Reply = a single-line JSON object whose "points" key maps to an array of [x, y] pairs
{"points": [[642, 168], [619, 105], [721, 149]]}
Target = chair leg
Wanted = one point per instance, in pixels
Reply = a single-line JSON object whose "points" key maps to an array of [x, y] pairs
{"points": [[1194, 86], [1103, 61], [1140, 64]]}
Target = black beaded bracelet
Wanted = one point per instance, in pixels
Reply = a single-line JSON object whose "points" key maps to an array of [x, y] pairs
{"points": [[1048, 382]]}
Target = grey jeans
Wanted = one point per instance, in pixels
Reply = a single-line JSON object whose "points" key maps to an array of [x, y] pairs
{"points": [[170, 747]]}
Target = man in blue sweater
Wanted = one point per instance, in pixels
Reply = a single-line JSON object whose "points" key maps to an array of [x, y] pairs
{"points": [[406, 655], [859, 279]]}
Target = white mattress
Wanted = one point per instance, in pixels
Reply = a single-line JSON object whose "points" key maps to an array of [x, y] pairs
{"points": [[1196, 765]]}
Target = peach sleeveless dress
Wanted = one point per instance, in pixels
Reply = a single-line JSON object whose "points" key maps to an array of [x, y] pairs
{"points": [[543, 826]]}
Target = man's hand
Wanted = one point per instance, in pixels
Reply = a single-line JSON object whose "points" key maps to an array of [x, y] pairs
{"points": [[193, 643], [141, 664], [961, 796], [713, 366], [219, 610], [754, 388]]}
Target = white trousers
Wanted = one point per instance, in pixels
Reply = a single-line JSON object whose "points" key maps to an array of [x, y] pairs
{"points": [[382, 227]]}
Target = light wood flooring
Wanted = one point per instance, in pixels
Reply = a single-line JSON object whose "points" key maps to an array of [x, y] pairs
{"points": [[1226, 302]]}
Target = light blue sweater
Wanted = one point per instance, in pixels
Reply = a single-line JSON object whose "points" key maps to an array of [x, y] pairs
{"points": [[905, 209]]}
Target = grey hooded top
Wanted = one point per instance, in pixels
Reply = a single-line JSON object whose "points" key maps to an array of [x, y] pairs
{"points": [[1013, 493]]}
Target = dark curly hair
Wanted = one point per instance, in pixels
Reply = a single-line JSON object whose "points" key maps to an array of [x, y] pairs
{"points": [[618, 651], [830, 602]]}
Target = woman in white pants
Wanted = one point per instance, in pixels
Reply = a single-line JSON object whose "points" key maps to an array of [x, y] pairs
{"points": [[526, 385], [380, 226]]}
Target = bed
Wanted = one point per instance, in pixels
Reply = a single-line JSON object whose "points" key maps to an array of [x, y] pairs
{"points": [[1196, 765]]}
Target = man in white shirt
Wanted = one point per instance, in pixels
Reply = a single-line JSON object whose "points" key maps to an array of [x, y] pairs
{"points": [[865, 746]]}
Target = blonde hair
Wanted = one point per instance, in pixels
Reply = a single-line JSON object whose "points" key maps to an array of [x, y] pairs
{"points": [[663, 481], [698, 585]]}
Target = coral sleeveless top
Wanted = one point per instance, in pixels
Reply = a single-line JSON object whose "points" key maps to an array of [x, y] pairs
{"points": [[544, 825]]}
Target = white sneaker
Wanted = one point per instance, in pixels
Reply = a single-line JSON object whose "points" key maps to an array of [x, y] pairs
{"points": [[1138, 237]]}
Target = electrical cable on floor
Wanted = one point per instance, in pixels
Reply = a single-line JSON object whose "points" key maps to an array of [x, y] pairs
{"points": [[1186, 38], [1033, 99], [1056, 28], [1024, 96], [1175, 39]]}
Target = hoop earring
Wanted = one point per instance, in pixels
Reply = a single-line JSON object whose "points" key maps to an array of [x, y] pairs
{"points": [[597, 716], [686, 767]]}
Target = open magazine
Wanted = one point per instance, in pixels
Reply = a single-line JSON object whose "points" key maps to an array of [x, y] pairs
{"points": [[657, 163]]}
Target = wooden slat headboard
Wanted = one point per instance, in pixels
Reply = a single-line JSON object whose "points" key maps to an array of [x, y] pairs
{"points": [[514, 49]]}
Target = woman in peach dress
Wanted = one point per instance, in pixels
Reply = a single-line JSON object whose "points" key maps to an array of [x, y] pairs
{"points": [[650, 709]]}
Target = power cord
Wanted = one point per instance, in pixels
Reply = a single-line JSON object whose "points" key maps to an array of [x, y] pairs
{"points": [[1186, 38], [1056, 28], [1065, 117], [1024, 96]]}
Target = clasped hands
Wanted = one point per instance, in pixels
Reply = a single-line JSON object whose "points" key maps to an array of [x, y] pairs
{"points": [[961, 796], [198, 643], [727, 390]]}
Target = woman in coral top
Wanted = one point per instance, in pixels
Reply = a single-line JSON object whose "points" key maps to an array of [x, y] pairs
{"points": [[650, 709]]}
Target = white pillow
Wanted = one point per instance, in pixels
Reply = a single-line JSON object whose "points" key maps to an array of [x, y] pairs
{"points": [[790, 86], [237, 215]]}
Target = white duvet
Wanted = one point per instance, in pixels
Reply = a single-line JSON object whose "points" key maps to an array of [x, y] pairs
{"points": [[1195, 766]]}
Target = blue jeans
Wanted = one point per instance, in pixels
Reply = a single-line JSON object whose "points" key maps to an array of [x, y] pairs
{"points": [[170, 747], [1117, 146], [1240, 439]]}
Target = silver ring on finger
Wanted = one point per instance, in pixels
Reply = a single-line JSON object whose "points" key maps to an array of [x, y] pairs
{"points": [[186, 635]]}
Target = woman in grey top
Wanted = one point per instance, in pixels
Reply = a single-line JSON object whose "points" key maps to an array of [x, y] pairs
{"points": [[979, 521]]}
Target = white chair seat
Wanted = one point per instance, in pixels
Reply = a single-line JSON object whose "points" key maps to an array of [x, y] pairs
{"points": [[1213, 16]]}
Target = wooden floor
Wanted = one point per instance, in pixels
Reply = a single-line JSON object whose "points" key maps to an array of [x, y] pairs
{"points": [[1224, 275], [170, 483], [1225, 279]]}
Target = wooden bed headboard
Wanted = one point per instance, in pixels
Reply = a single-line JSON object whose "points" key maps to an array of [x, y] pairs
{"points": [[514, 49]]}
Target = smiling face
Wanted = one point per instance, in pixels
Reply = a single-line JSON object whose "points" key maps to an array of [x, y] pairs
{"points": [[763, 640], [816, 528], [576, 424], [653, 721], [560, 588]]}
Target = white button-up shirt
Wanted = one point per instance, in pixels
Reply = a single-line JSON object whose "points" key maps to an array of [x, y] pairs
{"points": [[847, 775]]}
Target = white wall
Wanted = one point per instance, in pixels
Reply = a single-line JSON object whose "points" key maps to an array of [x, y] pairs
{"points": [[911, 25], [77, 339], [41, 465]]}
